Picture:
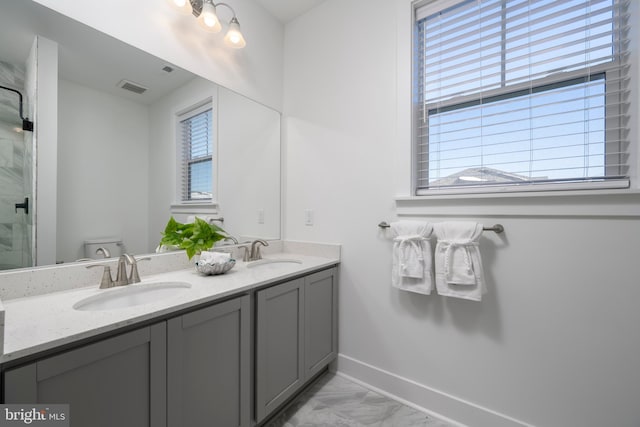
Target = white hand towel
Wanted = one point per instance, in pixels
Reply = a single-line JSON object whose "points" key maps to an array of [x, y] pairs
{"points": [[412, 266], [458, 264], [207, 257]]}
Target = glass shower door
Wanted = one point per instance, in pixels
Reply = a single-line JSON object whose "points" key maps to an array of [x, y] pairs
{"points": [[16, 177]]}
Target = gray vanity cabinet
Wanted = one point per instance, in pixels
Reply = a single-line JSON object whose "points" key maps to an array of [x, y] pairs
{"points": [[321, 316], [296, 336], [208, 365], [195, 369], [279, 345], [120, 381], [192, 370]]}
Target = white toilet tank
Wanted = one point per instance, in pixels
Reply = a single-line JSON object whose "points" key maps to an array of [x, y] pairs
{"points": [[113, 244]]}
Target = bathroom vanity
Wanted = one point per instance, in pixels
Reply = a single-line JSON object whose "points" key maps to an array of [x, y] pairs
{"points": [[228, 350]]}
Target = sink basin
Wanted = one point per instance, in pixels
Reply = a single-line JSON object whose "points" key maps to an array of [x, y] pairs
{"points": [[276, 261], [131, 296]]}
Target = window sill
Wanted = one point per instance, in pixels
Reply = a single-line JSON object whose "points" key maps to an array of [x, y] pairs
{"points": [[579, 203], [191, 208]]}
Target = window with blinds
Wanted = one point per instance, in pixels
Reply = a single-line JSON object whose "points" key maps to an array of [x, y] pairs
{"points": [[515, 95], [195, 131]]}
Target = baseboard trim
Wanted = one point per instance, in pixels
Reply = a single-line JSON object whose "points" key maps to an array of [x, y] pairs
{"points": [[435, 403]]}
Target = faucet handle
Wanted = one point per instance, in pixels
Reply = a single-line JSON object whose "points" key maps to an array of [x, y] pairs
{"points": [[245, 257], [134, 277], [121, 274], [106, 281], [255, 249], [257, 255]]}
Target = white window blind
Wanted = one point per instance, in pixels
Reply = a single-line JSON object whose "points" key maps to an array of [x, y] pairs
{"points": [[522, 94], [195, 132]]}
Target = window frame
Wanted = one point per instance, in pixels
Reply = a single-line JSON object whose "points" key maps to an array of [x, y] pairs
{"points": [[183, 203], [619, 184]]}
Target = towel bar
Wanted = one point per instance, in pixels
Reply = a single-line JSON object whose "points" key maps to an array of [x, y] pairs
{"points": [[497, 228]]}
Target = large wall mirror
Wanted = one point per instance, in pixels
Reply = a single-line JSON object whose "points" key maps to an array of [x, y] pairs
{"points": [[116, 149]]}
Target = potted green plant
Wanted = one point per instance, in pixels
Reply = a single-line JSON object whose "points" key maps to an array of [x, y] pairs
{"points": [[193, 237]]}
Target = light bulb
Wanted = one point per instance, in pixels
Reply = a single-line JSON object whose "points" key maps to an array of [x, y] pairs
{"points": [[181, 6], [234, 37], [208, 19]]}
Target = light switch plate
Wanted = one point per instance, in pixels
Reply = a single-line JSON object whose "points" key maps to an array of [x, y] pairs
{"points": [[308, 217]]}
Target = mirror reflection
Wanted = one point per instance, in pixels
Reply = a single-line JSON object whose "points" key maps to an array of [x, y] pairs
{"points": [[119, 163]]}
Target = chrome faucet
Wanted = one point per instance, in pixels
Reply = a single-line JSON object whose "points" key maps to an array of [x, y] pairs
{"points": [[255, 249], [253, 254], [121, 275], [233, 239]]}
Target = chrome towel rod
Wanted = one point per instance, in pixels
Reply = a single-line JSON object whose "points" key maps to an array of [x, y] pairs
{"points": [[497, 228]]}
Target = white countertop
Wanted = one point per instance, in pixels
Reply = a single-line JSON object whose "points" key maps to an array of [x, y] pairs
{"points": [[42, 322]]}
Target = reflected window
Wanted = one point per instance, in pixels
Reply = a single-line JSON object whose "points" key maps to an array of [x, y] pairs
{"points": [[195, 134]]}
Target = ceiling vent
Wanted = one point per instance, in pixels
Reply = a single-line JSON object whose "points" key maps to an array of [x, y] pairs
{"points": [[167, 68], [132, 87]]}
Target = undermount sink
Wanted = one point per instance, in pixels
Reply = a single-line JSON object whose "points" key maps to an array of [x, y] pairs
{"points": [[272, 261], [131, 296]]}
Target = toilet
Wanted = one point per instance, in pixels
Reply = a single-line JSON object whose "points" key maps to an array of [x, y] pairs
{"points": [[113, 244]]}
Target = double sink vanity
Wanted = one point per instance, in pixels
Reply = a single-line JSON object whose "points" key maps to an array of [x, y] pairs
{"points": [[176, 349]]}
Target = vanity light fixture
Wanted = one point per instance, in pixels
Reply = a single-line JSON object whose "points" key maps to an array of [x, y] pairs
{"points": [[206, 12]]}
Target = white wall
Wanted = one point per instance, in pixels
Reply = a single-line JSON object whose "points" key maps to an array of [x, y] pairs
{"points": [[553, 343], [103, 169], [151, 25]]}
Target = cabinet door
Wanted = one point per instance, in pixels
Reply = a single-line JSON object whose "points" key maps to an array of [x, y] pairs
{"points": [[120, 381], [209, 366], [321, 302], [279, 345]]}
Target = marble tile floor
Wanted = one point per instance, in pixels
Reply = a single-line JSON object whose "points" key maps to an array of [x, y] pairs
{"points": [[334, 401]]}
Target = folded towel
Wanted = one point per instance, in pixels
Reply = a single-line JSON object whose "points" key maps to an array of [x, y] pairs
{"points": [[457, 260], [411, 270], [214, 257]]}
